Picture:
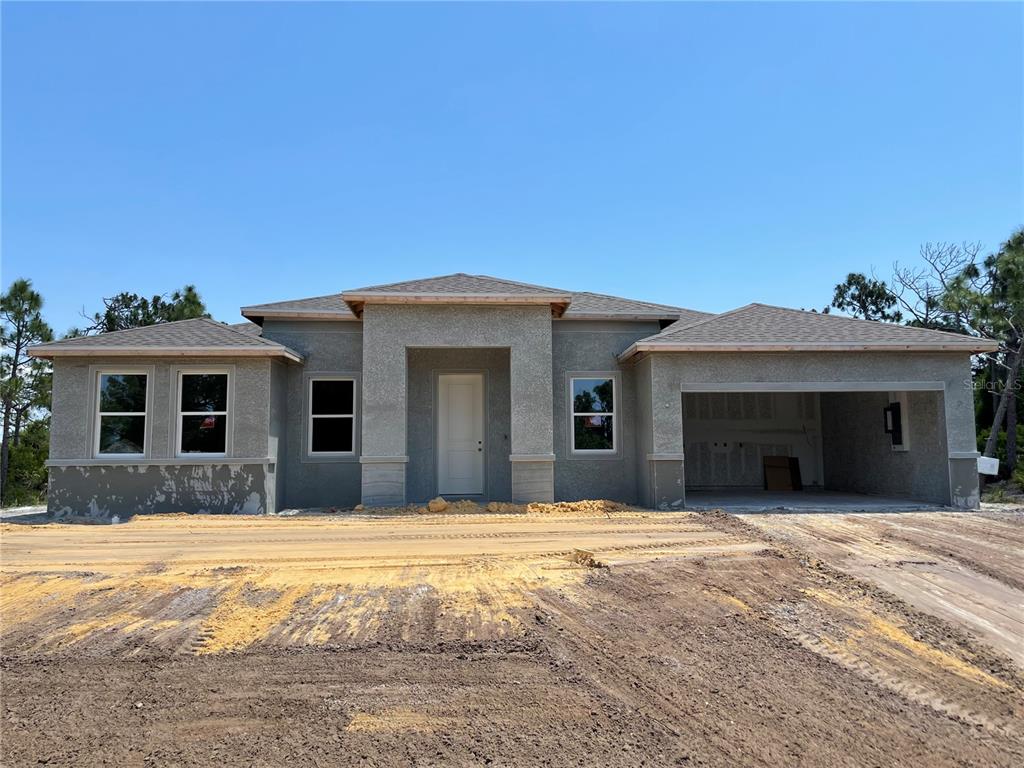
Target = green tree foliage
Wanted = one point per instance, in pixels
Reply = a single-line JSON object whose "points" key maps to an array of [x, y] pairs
{"points": [[866, 298], [24, 381], [130, 310], [26, 472], [991, 296]]}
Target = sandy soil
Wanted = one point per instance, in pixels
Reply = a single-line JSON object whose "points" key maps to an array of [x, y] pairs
{"points": [[482, 639], [965, 568]]}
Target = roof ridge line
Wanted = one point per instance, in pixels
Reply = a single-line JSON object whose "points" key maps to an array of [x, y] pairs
{"points": [[292, 301], [702, 321], [633, 301]]}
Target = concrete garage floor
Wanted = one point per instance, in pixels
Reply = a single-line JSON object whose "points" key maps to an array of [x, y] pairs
{"points": [[751, 500]]}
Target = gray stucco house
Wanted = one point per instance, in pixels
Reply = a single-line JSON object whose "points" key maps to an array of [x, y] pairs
{"points": [[477, 387]]}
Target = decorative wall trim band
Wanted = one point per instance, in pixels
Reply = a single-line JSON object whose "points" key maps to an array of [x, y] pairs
{"points": [[173, 462], [531, 457], [383, 459], [665, 457]]}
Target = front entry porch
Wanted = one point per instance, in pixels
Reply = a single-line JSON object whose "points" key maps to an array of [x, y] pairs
{"points": [[441, 383], [458, 424]]}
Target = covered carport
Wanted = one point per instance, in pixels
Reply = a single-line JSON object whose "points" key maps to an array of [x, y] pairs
{"points": [[872, 415]]}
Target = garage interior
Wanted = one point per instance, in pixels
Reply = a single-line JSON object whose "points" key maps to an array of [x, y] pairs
{"points": [[836, 450]]}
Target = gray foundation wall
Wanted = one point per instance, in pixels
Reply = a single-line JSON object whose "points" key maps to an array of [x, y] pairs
{"points": [[424, 366], [858, 455], [126, 490], [332, 349]]}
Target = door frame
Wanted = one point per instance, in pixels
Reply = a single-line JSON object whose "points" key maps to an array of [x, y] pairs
{"points": [[436, 375]]}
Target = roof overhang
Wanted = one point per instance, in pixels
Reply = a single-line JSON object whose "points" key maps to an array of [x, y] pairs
{"points": [[979, 345], [630, 316], [49, 353], [357, 300], [254, 313]]}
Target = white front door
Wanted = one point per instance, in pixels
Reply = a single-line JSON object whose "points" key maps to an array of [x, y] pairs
{"points": [[460, 433]]}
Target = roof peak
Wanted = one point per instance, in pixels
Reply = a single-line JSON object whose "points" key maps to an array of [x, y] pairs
{"points": [[459, 288], [454, 283]]}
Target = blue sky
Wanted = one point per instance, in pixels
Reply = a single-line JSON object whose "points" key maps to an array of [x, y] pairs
{"points": [[701, 155]]}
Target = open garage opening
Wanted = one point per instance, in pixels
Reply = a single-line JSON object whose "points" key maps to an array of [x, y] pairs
{"points": [[807, 449]]}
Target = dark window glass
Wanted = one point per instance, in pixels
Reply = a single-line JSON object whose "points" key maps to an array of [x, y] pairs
{"points": [[332, 435], [204, 392], [593, 395], [593, 433], [122, 393], [332, 397], [122, 434], [203, 434]]}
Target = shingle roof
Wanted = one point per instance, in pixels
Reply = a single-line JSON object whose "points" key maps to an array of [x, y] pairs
{"points": [[760, 327], [460, 284], [460, 287], [584, 304], [330, 307], [587, 305], [199, 337], [247, 326]]}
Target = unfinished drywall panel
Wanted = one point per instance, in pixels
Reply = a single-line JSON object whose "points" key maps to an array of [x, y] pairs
{"points": [[728, 434]]}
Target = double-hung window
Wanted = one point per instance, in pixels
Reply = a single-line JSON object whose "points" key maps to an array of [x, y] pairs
{"points": [[332, 420], [202, 413], [593, 415], [121, 414]]}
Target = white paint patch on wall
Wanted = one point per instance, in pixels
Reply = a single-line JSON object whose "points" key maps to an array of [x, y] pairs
{"points": [[727, 434]]}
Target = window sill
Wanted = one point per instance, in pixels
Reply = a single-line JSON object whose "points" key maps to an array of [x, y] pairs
{"points": [[594, 455], [330, 458]]}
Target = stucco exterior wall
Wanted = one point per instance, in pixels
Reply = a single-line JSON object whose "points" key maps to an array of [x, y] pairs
{"points": [[389, 330], [74, 404], [332, 349], [82, 483], [278, 442], [424, 366], [858, 454], [581, 348]]}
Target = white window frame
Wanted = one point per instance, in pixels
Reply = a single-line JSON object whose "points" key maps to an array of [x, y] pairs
{"points": [[178, 413], [309, 416], [613, 414], [97, 427]]}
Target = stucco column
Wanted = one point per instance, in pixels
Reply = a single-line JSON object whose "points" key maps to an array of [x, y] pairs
{"points": [[665, 459], [382, 447], [533, 446], [961, 440]]}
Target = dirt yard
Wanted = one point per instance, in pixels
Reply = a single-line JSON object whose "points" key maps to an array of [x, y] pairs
{"points": [[616, 638]]}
